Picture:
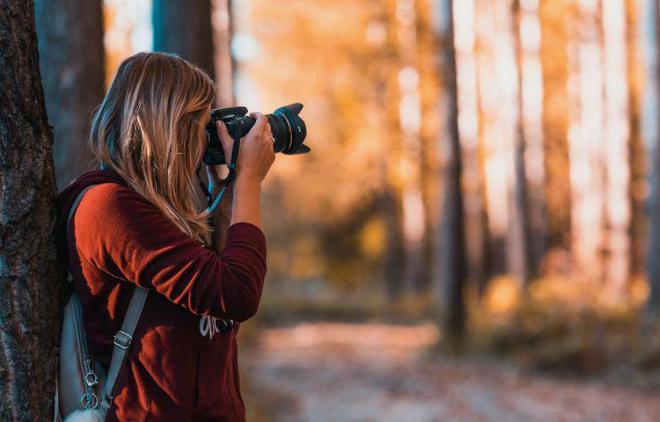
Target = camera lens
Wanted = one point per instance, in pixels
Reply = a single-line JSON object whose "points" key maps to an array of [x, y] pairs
{"points": [[288, 129], [280, 130]]}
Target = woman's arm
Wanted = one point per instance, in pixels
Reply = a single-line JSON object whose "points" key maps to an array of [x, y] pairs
{"points": [[222, 216], [246, 201], [255, 157], [121, 233]]}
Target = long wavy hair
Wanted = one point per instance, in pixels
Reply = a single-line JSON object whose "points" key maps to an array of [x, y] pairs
{"points": [[150, 130]]}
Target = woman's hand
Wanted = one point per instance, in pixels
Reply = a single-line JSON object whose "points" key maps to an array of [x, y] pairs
{"points": [[255, 157], [256, 153], [216, 173]]}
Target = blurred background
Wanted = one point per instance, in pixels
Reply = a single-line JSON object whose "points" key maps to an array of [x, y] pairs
{"points": [[476, 232]]}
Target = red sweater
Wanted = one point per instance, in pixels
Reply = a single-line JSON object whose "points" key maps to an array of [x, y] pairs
{"points": [[172, 372]]}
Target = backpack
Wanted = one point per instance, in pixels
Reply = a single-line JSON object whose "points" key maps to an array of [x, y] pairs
{"points": [[83, 391]]}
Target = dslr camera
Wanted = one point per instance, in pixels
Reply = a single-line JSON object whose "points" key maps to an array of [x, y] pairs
{"points": [[287, 127]]}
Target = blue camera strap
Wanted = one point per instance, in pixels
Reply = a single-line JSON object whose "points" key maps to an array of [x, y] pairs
{"points": [[213, 204]]}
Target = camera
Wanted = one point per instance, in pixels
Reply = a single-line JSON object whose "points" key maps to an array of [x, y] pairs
{"points": [[287, 127]]}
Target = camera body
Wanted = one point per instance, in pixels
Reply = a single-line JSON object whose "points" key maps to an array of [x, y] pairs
{"points": [[287, 127]]}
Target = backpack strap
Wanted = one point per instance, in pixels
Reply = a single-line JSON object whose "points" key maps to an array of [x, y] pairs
{"points": [[122, 339], [74, 207]]}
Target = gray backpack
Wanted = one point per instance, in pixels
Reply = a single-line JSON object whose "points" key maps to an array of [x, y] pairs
{"points": [[83, 391]]}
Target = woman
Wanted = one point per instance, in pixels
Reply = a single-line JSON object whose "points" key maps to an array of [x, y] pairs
{"points": [[145, 222]]}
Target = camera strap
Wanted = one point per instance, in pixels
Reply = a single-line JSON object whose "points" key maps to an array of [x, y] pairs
{"points": [[236, 136]]}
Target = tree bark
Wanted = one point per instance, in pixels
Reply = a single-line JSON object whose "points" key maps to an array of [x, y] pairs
{"points": [[184, 28], [72, 63], [31, 287], [451, 269]]}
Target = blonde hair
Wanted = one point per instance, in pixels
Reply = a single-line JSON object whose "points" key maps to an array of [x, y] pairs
{"points": [[150, 130]]}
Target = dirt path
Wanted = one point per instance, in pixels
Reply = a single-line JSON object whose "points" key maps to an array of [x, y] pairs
{"points": [[373, 372]]}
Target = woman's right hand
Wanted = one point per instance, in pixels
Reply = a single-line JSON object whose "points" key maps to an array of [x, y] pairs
{"points": [[255, 156], [256, 153]]}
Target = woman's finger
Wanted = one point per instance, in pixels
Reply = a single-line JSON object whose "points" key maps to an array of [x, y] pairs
{"points": [[213, 173], [225, 139], [260, 124], [268, 130]]}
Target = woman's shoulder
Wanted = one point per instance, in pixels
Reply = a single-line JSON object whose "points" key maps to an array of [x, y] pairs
{"points": [[110, 190], [108, 201], [115, 219]]}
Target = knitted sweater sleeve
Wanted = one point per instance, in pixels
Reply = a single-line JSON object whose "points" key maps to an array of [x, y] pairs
{"points": [[121, 233]]}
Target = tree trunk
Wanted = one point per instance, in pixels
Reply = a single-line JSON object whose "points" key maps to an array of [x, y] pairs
{"points": [[638, 165], [521, 249], [394, 259], [31, 284], [586, 151], [429, 126], [184, 28], [495, 138], [409, 116], [224, 62], [652, 261], [483, 262], [450, 272], [72, 63], [554, 41], [471, 125], [616, 148]]}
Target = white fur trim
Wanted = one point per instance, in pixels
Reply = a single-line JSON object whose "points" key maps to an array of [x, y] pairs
{"points": [[89, 415]]}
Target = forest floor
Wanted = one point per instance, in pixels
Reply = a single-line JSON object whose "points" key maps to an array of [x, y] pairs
{"points": [[350, 372]]}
